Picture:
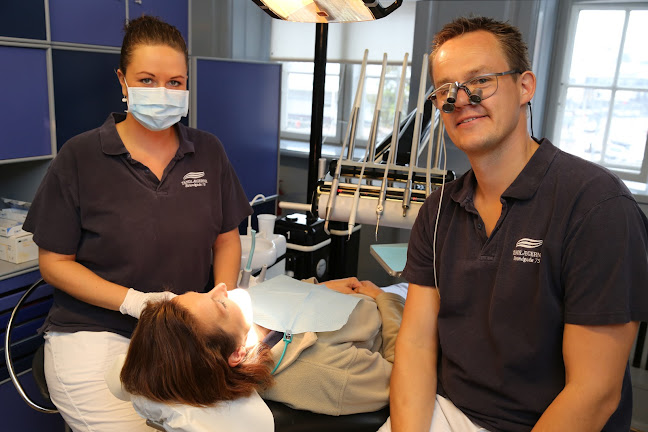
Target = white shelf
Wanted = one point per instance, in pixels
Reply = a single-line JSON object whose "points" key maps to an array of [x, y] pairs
{"points": [[9, 270]]}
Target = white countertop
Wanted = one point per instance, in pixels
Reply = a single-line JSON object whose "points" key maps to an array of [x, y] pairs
{"points": [[9, 270]]}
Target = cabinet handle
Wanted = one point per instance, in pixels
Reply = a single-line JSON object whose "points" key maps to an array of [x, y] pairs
{"points": [[138, 1]]}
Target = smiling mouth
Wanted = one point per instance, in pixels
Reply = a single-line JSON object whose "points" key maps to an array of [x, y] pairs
{"points": [[468, 120]]}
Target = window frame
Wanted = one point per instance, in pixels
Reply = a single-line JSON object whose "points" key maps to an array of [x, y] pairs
{"points": [[346, 92], [562, 70], [305, 137]]}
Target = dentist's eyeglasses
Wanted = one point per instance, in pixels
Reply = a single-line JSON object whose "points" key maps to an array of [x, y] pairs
{"points": [[477, 89]]}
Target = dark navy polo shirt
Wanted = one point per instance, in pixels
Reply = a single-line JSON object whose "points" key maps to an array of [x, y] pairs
{"points": [[570, 246], [127, 226]]}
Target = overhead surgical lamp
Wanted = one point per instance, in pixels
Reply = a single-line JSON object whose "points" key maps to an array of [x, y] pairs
{"points": [[327, 11]]}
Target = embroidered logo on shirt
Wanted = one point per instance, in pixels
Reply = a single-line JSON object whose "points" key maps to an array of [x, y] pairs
{"points": [[527, 256], [194, 179], [528, 243]]}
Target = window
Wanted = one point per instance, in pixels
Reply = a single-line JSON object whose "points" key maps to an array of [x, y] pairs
{"points": [[340, 89], [297, 100], [390, 94], [603, 98]]}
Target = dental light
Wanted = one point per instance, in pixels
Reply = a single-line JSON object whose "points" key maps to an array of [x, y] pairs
{"points": [[326, 11]]}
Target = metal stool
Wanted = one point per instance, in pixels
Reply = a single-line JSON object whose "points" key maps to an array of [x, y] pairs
{"points": [[38, 369]]}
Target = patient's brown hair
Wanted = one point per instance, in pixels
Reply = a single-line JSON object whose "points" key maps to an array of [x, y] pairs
{"points": [[170, 360]]}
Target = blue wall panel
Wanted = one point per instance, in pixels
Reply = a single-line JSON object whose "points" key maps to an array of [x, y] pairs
{"points": [[175, 12], [23, 19], [86, 91], [96, 22], [239, 102], [24, 111]]}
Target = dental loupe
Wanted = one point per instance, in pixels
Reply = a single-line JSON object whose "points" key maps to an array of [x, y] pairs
{"points": [[474, 97]]}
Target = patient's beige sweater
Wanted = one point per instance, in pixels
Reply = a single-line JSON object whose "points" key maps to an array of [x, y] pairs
{"points": [[345, 371]]}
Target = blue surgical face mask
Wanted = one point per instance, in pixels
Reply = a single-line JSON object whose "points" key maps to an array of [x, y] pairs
{"points": [[157, 108]]}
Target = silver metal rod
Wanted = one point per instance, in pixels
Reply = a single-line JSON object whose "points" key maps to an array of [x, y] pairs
{"points": [[373, 132], [393, 148], [370, 145], [350, 129], [428, 165], [416, 136]]}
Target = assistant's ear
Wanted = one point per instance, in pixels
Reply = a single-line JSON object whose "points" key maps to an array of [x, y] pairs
{"points": [[120, 76], [527, 87], [237, 356]]}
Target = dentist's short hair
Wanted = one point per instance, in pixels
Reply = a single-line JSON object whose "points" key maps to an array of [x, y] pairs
{"points": [[509, 37]]}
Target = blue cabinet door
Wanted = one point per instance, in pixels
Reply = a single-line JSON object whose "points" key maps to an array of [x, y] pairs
{"points": [[175, 12], [23, 19], [24, 111], [96, 22], [86, 91]]}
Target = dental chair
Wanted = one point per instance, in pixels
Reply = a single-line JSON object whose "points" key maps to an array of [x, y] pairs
{"points": [[292, 420], [287, 419]]}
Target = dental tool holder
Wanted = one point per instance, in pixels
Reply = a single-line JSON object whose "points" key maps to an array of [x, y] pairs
{"points": [[370, 190]]}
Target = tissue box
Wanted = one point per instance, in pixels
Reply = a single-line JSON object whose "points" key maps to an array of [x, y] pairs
{"points": [[18, 249], [10, 228], [13, 214]]}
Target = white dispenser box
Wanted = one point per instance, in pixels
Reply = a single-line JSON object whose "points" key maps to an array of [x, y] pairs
{"points": [[9, 227], [19, 248]]}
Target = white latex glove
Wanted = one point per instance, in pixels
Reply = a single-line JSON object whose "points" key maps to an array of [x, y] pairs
{"points": [[136, 301]]}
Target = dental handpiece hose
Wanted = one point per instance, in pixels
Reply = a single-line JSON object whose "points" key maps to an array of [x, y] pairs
{"points": [[393, 148], [416, 136], [350, 135], [247, 270], [370, 146]]}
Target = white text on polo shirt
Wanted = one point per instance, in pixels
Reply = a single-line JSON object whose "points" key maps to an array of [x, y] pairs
{"points": [[527, 256], [194, 179]]}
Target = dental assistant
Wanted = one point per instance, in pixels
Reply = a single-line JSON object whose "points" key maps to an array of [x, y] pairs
{"points": [[136, 206]]}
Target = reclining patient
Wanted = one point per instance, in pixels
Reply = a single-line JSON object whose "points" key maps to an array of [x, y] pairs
{"points": [[190, 351]]}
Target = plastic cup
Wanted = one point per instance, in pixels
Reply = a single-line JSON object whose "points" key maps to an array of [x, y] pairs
{"points": [[266, 224]]}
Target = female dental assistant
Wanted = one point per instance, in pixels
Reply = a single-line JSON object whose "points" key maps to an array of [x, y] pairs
{"points": [[135, 210]]}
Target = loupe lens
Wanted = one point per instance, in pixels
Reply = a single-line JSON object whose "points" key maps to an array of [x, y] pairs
{"points": [[448, 107], [476, 96]]}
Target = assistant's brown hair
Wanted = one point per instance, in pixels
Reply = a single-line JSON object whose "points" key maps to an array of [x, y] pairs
{"points": [[509, 37], [171, 360], [148, 30]]}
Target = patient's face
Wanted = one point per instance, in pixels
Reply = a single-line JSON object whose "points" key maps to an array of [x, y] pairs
{"points": [[215, 309]]}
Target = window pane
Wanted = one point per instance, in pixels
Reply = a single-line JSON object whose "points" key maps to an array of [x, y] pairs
{"points": [[584, 122], [390, 94], [628, 130], [634, 63], [297, 98], [595, 53]]}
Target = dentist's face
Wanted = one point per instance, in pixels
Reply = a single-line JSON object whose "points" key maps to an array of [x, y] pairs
{"points": [[215, 309], [477, 128]]}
